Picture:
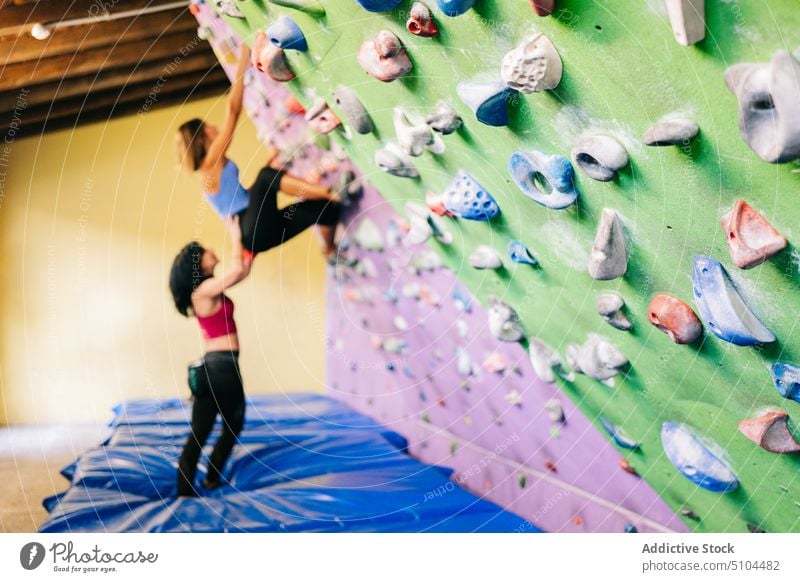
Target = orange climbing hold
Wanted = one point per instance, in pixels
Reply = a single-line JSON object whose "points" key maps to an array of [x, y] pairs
{"points": [[770, 431], [751, 239], [675, 318]]}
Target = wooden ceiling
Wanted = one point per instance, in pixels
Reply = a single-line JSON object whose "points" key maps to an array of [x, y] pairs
{"points": [[98, 71]]}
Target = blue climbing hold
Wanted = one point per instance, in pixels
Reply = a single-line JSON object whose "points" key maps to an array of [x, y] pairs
{"points": [[786, 378], [455, 7], [378, 5], [285, 34], [695, 461], [390, 366], [619, 435], [722, 308], [548, 180], [630, 528], [466, 198], [462, 300], [487, 100], [519, 253]]}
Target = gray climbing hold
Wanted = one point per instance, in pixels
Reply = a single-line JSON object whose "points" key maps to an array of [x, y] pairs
{"points": [[609, 257], [688, 21], [600, 157], [393, 160], [485, 257], [445, 120], [544, 360], [532, 66], [609, 306], [504, 323], [353, 110], [673, 131], [769, 108], [415, 138], [597, 357]]}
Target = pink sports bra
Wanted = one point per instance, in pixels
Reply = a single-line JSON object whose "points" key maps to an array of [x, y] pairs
{"points": [[220, 322]]}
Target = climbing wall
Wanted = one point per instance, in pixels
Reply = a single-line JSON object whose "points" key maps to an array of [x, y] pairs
{"points": [[672, 410]]}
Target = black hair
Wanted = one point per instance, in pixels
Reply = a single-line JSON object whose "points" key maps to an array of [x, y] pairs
{"points": [[186, 275], [192, 145]]}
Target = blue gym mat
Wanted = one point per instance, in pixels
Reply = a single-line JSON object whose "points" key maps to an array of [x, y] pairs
{"points": [[304, 463]]}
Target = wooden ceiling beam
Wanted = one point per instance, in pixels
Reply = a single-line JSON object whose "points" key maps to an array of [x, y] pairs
{"points": [[67, 41], [146, 94], [125, 107], [16, 18], [175, 46], [198, 63]]}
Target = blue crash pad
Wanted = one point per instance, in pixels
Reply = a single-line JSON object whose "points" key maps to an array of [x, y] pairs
{"points": [[304, 463]]}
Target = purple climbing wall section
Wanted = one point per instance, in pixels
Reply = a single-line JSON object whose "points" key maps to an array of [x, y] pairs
{"points": [[408, 345]]}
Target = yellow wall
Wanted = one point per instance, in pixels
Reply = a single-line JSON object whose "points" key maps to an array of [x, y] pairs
{"points": [[90, 221]]}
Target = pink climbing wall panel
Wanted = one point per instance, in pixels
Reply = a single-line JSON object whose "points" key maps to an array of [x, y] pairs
{"points": [[403, 349]]}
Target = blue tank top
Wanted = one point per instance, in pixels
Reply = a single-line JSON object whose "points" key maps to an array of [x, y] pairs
{"points": [[231, 198]]}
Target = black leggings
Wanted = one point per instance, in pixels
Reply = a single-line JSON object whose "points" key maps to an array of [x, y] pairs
{"points": [[226, 397], [264, 226]]}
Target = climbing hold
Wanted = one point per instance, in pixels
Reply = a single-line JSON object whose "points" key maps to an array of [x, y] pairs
{"points": [[753, 528], [390, 295], [543, 7], [514, 398], [463, 362], [519, 253], [769, 111], [394, 346], [695, 460], [533, 66], [445, 120], [400, 323], [609, 257], [394, 234], [393, 160], [544, 359], [627, 467], [366, 268], [546, 179], [420, 21], [487, 100], [675, 318], [600, 157], [770, 431], [455, 7], [619, 435], [495, 362], [436, 205], [786, 378], [384, 57], [462, 300], [285, 34], [522, 480], [722, 308], [630, 528], [609, 306], [313, 7], [368, 236], [390, 366], [293, 106], [485, 257], [269, 59], [415, 138], [554, 410], [550, 465], [320, 118], [598, 358], [426, 260], [353, 110], [463, 329], [674, 131], [466, 198], [504, 322], [229, 8], [378, 5], [689, 514], [204, 33], [423, 225], [688, 20], [751, 239]]}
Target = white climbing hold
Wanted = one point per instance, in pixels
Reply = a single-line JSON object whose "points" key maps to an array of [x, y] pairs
{"points": [[609, 257], [504, 322], [544, 360], [609, 306], [368, 236], [598, 358], [514, 397], [393, 160], [554, 410], [600, 157], [688, 20], [533, 66], [485, 257], [415, 138]]}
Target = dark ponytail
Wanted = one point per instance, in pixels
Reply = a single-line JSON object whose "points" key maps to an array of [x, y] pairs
{"points": [[186, 275]]}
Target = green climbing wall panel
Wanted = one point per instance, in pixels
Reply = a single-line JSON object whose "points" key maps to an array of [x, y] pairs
{"points": [[623, 71]]}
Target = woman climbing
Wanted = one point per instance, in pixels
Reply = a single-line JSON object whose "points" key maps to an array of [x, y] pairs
{"points": [[202, 147], [219, 390]]}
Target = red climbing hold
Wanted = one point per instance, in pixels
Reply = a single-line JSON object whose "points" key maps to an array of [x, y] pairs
{"points": [[627, 467], [543, 7], [751, 239], [770, 431], [675, 318], [293, 106], [551, 466], [420, 21]]}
